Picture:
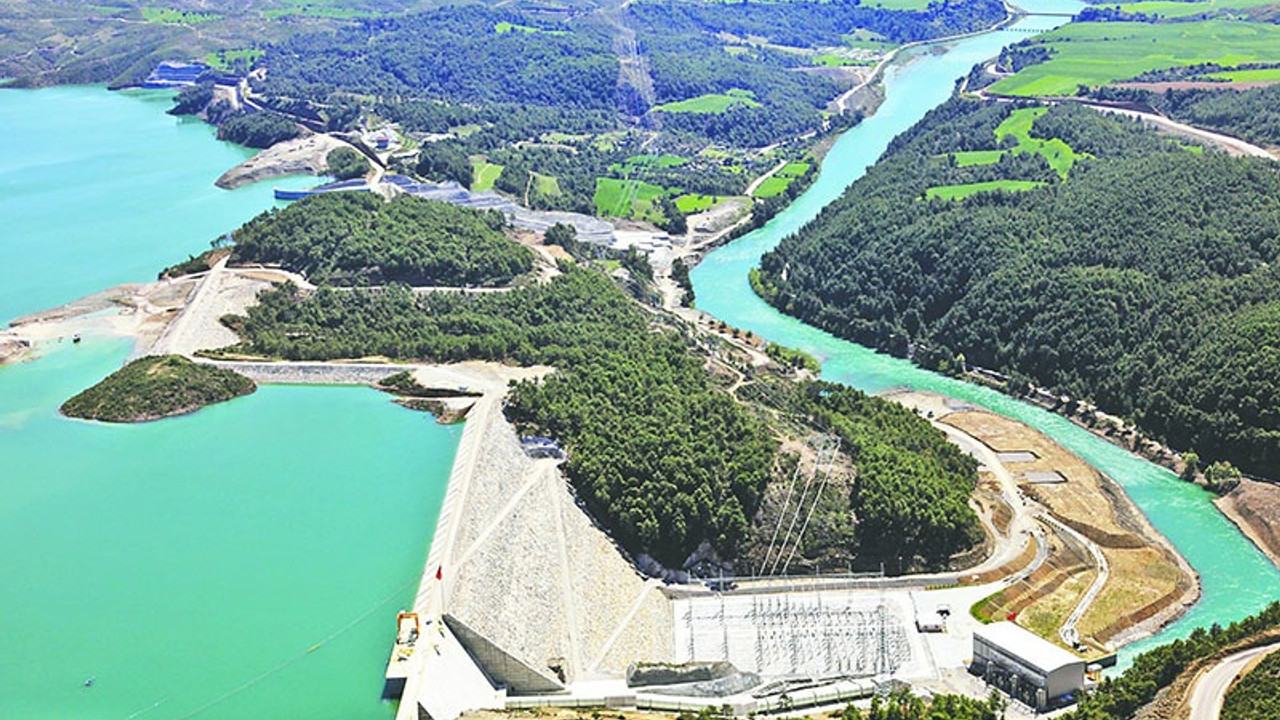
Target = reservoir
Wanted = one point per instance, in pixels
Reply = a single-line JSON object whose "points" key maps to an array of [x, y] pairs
{"points": [[244, 561], [1237, 579]]}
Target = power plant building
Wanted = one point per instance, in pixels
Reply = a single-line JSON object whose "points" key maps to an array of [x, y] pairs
{"points": [[1026, 666]]}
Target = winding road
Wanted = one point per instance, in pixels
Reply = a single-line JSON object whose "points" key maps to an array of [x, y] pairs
{"points": [[1211, 689]]}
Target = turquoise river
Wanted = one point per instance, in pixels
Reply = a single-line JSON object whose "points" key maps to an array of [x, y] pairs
{"points": [[245, 561], [1237, 579]]}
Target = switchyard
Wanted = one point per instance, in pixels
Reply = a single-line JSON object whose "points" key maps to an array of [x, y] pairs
{"points": [[806, 634]]}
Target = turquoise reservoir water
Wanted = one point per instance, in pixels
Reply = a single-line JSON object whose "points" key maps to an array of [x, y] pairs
{"points": [[1237, 579], [193, 565], [100, 188]]}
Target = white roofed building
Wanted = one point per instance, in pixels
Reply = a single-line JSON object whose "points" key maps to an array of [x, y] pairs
{"points": [[1025, 665]]}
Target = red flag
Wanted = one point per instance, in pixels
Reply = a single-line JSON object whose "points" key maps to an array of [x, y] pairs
{"points": [[440, 573]]}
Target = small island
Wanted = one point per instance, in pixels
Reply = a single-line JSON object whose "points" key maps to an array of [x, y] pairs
{"points": [[156, 387]]}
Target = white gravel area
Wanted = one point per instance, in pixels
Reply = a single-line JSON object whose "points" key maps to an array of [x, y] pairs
{"points": [[534, 575]]}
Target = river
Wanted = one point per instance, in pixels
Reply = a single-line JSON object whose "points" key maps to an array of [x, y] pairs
{"points": [[1237, 579], [190, 566]]}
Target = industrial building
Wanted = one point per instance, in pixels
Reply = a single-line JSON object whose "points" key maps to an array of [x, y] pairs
{"points": [[1029, 668]]}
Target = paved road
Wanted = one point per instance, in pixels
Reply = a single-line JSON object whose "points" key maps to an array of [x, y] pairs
{"points": [[1210, 689]]}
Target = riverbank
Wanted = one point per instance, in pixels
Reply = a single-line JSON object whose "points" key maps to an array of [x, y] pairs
{"points": [[1254, 507], [1140, 582]]}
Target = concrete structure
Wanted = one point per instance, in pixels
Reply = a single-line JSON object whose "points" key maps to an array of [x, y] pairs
{"points": [[1026, 666]]}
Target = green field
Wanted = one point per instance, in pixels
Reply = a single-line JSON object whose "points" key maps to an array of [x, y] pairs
{"points": [[625, 198], [505, 27], [1094, 54], [170, 16], [711, 104], [1057, 152], [960, 192], [772, 187], [1256, 75], [485, 174], [316, 8], [1174, 9], [794, 169], [546, 184], [636, 163], [694, 203], [222, 59], [967, 158], [837, 60]]}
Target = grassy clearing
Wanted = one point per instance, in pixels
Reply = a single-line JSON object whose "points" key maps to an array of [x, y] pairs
{"points": [[636, 163], [562, 138], [1255, 75], [317, 8], [772, 187], [838, 60], [1175, 9], [484, 174], [222, 59], [503, 28], [625, 198], [546, 184], [171, 16], [960, 192], [1057, 152], [711, 104], [794, 169], [968, 158], [694, 203], [1094, 54]]}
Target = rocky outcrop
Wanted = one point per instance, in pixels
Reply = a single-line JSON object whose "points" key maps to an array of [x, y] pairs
{"points": [[12, 349]]}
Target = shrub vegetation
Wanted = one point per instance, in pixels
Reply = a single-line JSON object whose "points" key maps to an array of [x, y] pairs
{"points": [[156, 387]]}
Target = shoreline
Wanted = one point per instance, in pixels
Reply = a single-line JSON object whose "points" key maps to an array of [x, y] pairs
{"points": [[1230, 505]]}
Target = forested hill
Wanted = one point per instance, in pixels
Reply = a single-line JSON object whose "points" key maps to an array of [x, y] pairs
{"points": [[347, 238], [535, 66], [1146, 280], [662, 456]]}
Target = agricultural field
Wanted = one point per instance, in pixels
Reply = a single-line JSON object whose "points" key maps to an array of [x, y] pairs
{"points": [[1175, 9], [1056, 152], [546, 184], [505, 27], [1094, 54], [485, 174], [1254, 75], [781, 180], [960, 192], [318, 9], [967, 158], [838, 60], [638, 163], [772, 187], [222, 59], [693, 203], [711, 104], [171, 16], [625, 198]]}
